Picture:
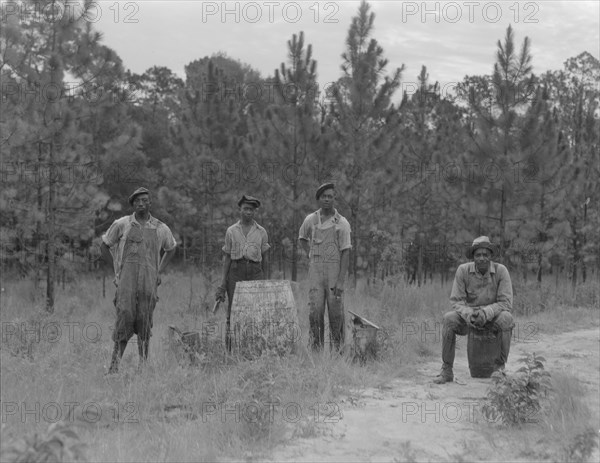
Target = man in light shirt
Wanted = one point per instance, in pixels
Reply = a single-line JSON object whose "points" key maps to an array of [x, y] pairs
{"points": [[246, 246]]}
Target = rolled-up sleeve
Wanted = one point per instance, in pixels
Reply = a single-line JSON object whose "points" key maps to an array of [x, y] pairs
{"points": [[305, 229], [113, 234], [344, 241], [228, 246], [168, 240]]}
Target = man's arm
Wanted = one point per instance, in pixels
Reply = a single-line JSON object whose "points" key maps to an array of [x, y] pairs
{"points": [[504, 296], [304, 245], [106, 255], [226, 265], [264, 247], [341, 279], [264, 263], [304, 234], [166, 258], [458, 296]]}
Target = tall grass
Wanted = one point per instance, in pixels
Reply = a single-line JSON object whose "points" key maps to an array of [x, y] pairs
{"points": [[223, 407], [569, 419]]}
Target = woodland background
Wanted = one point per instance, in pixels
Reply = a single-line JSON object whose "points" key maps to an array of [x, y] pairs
{"points": [[512, 155]]}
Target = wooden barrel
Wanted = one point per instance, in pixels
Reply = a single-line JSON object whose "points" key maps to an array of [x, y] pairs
{"points": [[483, 351], [264, 318]]}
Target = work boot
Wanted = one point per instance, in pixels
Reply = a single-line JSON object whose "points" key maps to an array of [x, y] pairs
{"points": [[445, 376]]}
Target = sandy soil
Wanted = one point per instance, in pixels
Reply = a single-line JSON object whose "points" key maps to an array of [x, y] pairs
{"points": [[412, 419]]}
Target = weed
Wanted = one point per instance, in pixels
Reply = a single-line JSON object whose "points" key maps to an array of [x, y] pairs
{"points": [[582, 446], [58, 443], [515, 399], [409, 454]]}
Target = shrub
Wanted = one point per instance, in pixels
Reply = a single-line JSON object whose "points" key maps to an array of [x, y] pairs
{"points": [[515, 399], [58, 443]]}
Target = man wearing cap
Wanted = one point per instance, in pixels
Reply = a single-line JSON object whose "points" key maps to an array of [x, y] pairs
{"points": [[325, 237], [133, 244], [245, 259], [481, 296]]}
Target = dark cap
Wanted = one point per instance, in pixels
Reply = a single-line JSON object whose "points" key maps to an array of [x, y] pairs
{"points": [[249, 200], [481, 242], [139, 191], [322, 188]]}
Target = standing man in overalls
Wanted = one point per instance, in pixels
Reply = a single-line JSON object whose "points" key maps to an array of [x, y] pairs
{"points": [[245, 255], [133, 244], [325, 237]]}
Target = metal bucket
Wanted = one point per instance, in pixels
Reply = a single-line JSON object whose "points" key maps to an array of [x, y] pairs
{"points": [[186, 345], [264, 318], [364, 338]]}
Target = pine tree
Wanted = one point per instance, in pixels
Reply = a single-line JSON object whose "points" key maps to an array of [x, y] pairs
{"points": [[496, 106], [288, 136], [575, 98], [363, 119], [205, 175], [429, 175], [47, 128]]}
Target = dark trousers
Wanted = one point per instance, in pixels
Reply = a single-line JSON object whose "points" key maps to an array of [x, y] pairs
{"points": [[239, 271], [454, 324], [322, 277]]}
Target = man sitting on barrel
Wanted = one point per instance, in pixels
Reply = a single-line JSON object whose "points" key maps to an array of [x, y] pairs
{"points": [[481, 298]]}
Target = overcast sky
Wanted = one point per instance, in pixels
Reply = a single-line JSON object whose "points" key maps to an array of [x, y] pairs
{"points": [[452, 39]]}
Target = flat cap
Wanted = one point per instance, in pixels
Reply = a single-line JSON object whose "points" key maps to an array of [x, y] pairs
{"points": [[322, 188], [139, 191], [249, 200], [481, 242]]}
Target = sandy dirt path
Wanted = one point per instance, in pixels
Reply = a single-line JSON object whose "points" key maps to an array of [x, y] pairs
{"points": [[411, 419]]}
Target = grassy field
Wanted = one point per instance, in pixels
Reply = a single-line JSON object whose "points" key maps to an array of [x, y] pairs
{"points": [[226, 409]]}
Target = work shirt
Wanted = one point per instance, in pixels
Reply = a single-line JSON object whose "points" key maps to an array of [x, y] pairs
{"points": [[472, 289], [116, 236], [251, 246], [314, 229]]}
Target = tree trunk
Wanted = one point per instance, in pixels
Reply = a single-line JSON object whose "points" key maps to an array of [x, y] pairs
{"points": [[583, 239], [420, 262], [539, 272], [575, 255], [38, 257], [355, 245], [50, 254], [294, 233]]}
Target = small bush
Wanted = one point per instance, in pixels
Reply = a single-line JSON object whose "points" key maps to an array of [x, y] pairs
{"points": [[582, 447], [58, 443], [515, 399]]}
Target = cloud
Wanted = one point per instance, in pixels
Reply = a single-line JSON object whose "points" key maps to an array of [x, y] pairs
{"points": [[174, 33]]}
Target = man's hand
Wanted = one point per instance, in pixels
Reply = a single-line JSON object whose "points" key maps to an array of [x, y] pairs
{"points": [[337, 291], [220, 296], [465, 313], [478, 318]]}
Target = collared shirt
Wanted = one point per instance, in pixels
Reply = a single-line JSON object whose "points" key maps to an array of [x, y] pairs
{"points": [[342, 228], [472, 289], [116, 236], [250, 246]]}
